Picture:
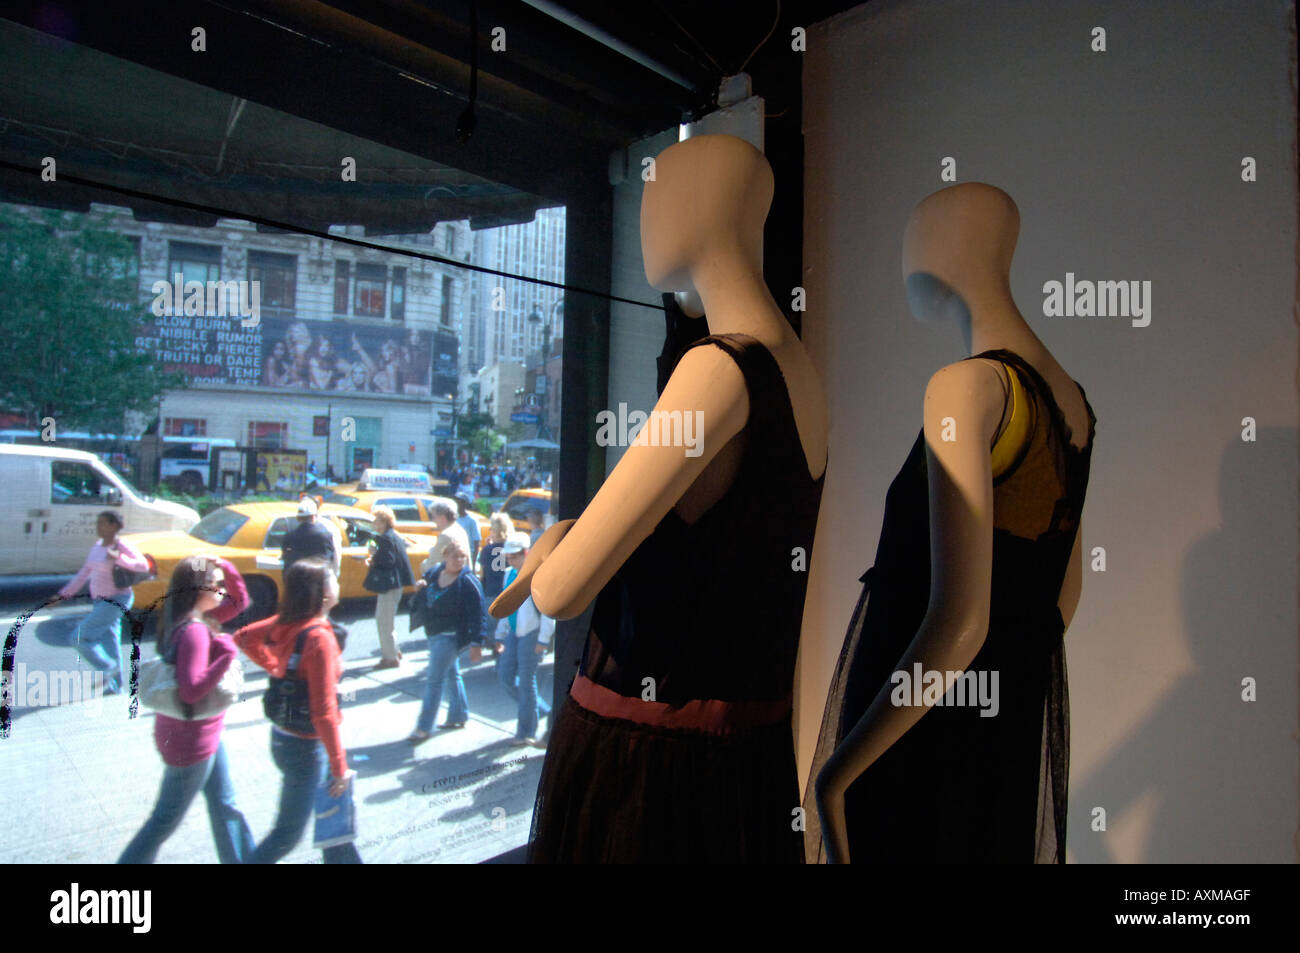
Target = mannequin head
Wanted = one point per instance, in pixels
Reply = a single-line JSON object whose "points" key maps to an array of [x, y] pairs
{"points": [[707, 203], [957, 251]]}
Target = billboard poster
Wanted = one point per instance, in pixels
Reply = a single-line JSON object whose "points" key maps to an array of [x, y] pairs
{"points": [[334, 356], [280, 471], [215, 350]]}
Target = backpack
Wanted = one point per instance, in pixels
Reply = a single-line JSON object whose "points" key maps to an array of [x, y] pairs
{"points": [[287, 702]]}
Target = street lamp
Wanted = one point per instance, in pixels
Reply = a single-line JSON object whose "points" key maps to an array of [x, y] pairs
{"points": [[543, 431]]}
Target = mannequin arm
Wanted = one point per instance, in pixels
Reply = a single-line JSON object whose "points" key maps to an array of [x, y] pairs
{"points": [[961, 572], [647, 482]]}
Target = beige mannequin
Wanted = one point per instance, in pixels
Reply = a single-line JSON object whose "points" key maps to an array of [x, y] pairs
{"points": [[957, 252], [702, 237]]}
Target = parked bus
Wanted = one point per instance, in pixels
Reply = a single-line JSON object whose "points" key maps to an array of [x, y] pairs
{"points": [[186, 463]]}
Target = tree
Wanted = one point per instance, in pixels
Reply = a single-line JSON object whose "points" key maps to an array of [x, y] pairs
{"points": [[72, 309]]}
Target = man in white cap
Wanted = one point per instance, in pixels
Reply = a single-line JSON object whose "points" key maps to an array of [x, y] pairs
{"points": [[312, 537], [522, 639]]}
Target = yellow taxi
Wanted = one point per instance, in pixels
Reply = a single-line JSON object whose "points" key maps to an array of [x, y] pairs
{"points": [[410, 495], [520, 504], [249, 536]]}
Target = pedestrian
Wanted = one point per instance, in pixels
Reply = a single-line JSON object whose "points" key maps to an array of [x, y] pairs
{"points": [[449, 607], [312, 537], [465, 481], [390, 572], [301, 637], [492, 562], [536, 524], [99, 635], [468, 523], [444, 521], [522, 639], [204, 592]]}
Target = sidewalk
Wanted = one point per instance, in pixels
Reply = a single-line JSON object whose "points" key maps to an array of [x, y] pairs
{"points": [[78, 780]]}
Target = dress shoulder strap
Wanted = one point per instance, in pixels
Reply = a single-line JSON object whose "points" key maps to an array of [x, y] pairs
{"points": [[771, 415]]}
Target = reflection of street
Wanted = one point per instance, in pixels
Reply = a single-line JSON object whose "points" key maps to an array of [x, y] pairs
{"points": [[78, 782]]}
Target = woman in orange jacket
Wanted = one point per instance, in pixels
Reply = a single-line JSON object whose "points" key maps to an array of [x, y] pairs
{"points": [[299, 643]]}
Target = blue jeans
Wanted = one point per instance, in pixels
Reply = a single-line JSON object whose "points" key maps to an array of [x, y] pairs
{"points": [[305, 765], [180, 786], [444, 671], [517, 673], [99, 638]]}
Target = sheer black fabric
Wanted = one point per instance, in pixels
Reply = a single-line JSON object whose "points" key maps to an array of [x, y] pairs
{"points": [[680, 331], [960, 785], [631, 789]]}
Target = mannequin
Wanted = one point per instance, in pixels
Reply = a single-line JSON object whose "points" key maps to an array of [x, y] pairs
{"points": [[701, 231], [721, 191], [957, 251]]}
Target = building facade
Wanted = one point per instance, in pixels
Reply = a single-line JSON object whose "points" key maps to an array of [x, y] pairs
{"points": [[354, 354]]}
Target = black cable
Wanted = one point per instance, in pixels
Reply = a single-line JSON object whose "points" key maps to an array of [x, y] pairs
{"points": [[316, 233], [698, 45]]}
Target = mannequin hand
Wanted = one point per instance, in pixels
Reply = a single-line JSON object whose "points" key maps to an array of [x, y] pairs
{"points": [[518, 591]]}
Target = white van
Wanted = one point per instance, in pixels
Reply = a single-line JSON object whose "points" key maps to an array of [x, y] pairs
{"points": [[51, 500]]}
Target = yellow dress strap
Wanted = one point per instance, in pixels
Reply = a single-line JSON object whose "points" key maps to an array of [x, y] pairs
{"points": [[1009, 446]]}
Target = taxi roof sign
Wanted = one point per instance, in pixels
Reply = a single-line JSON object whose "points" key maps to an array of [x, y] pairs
{"points": [[399, 480]]}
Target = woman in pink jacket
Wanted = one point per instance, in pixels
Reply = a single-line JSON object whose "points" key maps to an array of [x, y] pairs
{"points": [[204, 592], [99, 634]]}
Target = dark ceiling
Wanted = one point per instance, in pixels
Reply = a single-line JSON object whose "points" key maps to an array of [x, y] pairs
{"points": [[258, 122]]}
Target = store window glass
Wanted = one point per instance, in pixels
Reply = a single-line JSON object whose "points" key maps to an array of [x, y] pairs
{"points": [[390, 354]]}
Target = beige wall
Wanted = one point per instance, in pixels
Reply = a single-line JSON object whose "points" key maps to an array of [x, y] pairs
{"points": [[1125, 165]]}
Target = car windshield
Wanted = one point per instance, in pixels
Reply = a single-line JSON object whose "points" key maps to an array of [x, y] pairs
{"points": [[519, 507], [218, 526], [340, 498]]}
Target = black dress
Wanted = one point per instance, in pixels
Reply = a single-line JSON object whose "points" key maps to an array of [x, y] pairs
{"points": [[959, 787], [704, 770]]}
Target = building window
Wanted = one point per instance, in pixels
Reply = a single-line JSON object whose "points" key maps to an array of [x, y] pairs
{"points": [[342, 279], [185, 427], [195, 262], [446, 301], [398, 311], [277, 276], [372, 281], [270, 434]]}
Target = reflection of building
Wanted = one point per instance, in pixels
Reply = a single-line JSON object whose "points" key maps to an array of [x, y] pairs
{"points": [[497, 386], [355, 351], [541, 395], [497, 329]]}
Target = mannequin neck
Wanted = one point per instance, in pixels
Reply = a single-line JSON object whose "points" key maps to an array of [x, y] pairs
{"points": [[995, 323], [736, 300]]}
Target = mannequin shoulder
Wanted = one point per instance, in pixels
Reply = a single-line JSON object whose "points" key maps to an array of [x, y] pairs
{"points": [[966, 393], [705, 375]]}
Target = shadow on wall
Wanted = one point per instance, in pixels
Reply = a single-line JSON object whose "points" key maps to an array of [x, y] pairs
{"points": [[1214, 767]]}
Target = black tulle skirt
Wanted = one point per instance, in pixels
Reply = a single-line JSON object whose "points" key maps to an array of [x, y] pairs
{"points": [[616, 791]]}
